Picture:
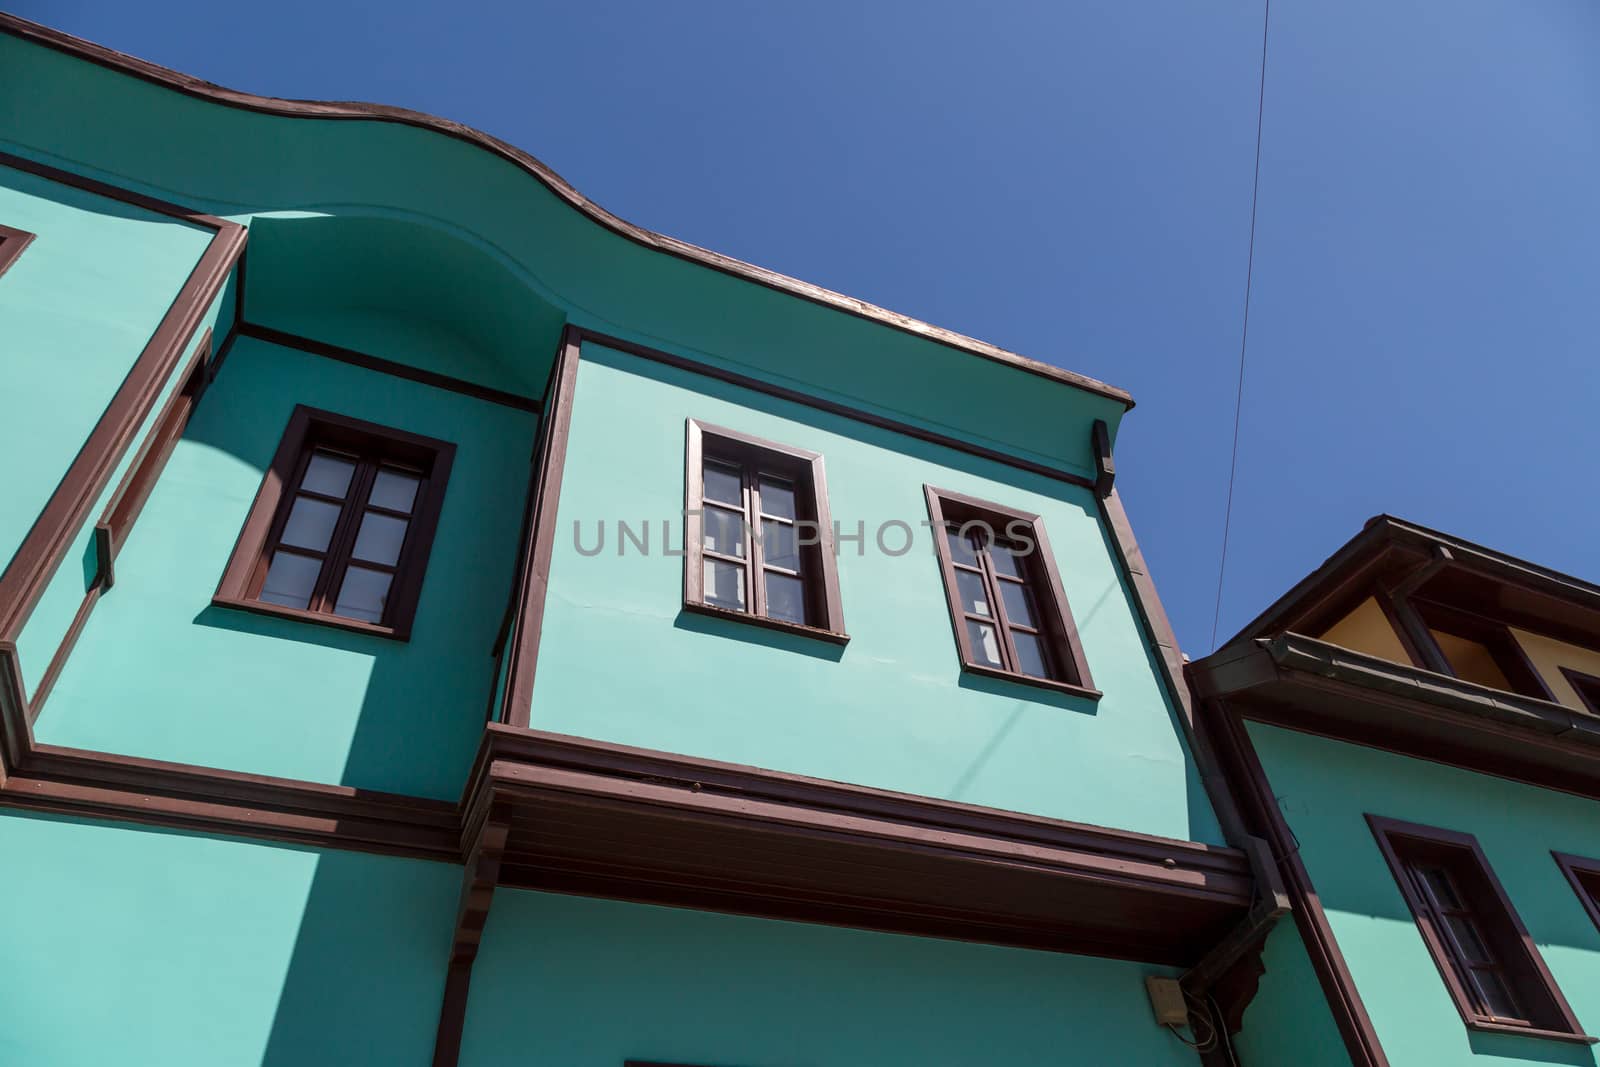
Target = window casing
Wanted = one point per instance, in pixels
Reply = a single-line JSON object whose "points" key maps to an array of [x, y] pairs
{"points": [[341, 529], [1587, 686], [1007, 607], [12, 242], [758, 537], [1489, 964], [1584, 875]]}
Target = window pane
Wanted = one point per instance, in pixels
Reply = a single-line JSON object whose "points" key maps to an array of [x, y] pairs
{"points": [[961, 548], [724, 483], [1466, 936], [1496, 995], [780, 544], [329, 475], [1019, 605], [786, 597], [1005, 561], [380, 538], [310, 524], [290, 580], [395, 490], [974, 596], [724, 584], [777, 497], [1443, 889], [363, 595], [723, 531], [1030, 655], [985, 643]]}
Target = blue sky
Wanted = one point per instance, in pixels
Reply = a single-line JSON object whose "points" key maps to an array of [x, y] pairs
{"points": [[1072, 180]]}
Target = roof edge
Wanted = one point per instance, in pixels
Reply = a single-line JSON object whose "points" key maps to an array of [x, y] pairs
{"points": [[188, 85]]}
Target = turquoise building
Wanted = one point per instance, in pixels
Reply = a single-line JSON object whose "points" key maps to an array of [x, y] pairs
{"points": [[443, 623], [1415, 728]]}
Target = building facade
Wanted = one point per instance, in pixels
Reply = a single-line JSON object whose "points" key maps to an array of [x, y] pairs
{"points": [[441, 622], [1416, 729]]}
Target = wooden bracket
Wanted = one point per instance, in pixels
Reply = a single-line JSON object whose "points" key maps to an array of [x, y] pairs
{"points": [[482, 874], [1105, 467]]}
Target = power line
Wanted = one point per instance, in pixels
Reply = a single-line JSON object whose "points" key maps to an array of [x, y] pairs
{"points": [[1244, 333]]}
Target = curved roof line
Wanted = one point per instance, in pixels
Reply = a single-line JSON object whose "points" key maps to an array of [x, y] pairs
{"points": [[204, 90]]}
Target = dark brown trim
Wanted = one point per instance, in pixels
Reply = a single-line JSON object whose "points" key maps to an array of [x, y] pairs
{"points": [[258, 539], [105, 189], [12, 242], [16, 730], [131, 493], [388, 366], [1530, 980], [1583, 874], [1504, 649], [194, 87], [65, 513], [550, 460], [824, 609], [1105, 466], [1322, 947], [1169, 658], [69, 641], [1065, 647], [481, 875], [794, 396]]}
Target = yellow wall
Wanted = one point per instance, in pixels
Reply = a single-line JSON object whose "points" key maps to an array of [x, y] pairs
{"points": [[1472, 660], [1367, 629], [1549, 656]]}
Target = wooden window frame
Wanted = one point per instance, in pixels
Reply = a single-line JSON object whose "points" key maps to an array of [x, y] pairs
{"points": [[308, 429], [1584, 876], [1044, 580], [12, 243], [824, 611], [1514, 955], [1586, 686]]}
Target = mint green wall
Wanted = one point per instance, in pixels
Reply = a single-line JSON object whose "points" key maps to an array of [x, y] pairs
{"points": [[1326, 787], [160, 673], [1288, 1022], [618, 661], [78, 308], [575, 982], [240, 163], [143, 948]]}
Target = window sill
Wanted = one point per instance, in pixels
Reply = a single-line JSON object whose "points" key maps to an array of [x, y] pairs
{"points": [[1037, 683], [798, 629], [1485, 1026], [257, 607]]}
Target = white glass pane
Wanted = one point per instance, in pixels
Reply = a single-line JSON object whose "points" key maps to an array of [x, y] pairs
{"points": [[290, 580], [1031, 659], [724, 483], [363, 595], [724, 584], [1019, 605], [328, 475], [723, 531], [786, 598], [974, 597], [780, 545], [777, 497], [310, 524], [961, 553], [380, 538], [985, 643], [395, 490]]}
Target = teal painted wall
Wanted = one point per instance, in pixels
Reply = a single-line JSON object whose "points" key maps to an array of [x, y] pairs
{"points": [[143, 948], [160, 673], [78, 308], [1288, 1022], [1325, 789], [588, 983], [619, 660]]}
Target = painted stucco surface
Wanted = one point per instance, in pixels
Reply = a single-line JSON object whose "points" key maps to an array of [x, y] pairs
{"points": [[1326, 787], [620, 661], [1288, 1022], [78, 307], [161, 673], [612, 981], [144, 948]]}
